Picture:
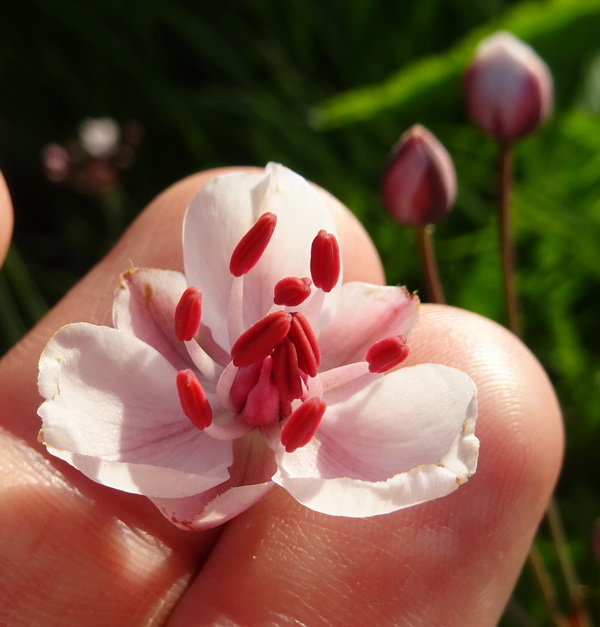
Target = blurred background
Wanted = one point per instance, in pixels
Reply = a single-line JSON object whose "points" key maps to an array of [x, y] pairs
{"points": [[325, 88]]}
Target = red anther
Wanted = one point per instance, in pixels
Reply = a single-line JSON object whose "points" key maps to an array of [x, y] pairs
{"points": [[387, 353], [193, 400], [260, 339], [301, 426], [251, 247], [285, 371], [291, 291], [188, 314], [325, 261], [304, 340]]}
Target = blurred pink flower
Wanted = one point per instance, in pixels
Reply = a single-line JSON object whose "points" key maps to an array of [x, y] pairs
{"points": [[100, 137], [206, 393], [95, 161], [508, 88], [419, 182]]}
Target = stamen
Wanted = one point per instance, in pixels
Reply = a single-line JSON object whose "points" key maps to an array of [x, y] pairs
{"points": [[251, 247], [387, 353], [193, 400], [291, 291], [305, 342], [188, 314], [285, 371], [260, 339], [301, 426], [325, 261]]}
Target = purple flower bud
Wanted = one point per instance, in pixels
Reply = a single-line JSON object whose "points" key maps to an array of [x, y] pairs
{"points": [[419, 182], [508, 88]]}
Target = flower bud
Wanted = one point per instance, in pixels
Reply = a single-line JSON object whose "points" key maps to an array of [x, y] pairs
{"points": [[508, 88], [419, 182]]}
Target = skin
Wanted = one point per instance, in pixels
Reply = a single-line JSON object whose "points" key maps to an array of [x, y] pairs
{"points": [[6, 219], [75, 552]]}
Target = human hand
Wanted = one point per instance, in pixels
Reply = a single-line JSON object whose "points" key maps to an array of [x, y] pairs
{"points": [[6, 219], [75, 551]]}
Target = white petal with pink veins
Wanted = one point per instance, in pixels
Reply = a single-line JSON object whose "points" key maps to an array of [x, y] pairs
{"points": [[213, 507], [233, 203], [144, 305], [387, 442], [112, 410], [365, 314]]}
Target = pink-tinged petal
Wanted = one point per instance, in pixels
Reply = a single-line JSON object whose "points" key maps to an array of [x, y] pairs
{"points": [[213, 507], [219, 216], [144, 305], [301, 213], [365, 314], [250, 480], [387, 442], [112, 410]]}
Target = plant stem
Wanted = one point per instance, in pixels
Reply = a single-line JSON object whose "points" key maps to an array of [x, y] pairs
{"points": [[545, 584], [428, 264], [506, 246], [553, 516]]}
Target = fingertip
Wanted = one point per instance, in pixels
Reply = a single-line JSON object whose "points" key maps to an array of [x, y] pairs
{"points": [[6, 219]]}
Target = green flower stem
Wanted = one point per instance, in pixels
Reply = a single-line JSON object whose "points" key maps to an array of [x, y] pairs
{"points": [[429, 268], [555, 525], [506, 246]]}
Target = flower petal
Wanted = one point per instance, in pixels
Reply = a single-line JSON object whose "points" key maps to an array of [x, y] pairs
{"points": [[387, 442], [112, 411], [223, 212], [250, 480], [213, 507], [365, 314], [144, 305]]}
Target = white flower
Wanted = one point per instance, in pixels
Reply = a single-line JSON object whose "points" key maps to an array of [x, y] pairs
{"points": [[205, 414]]}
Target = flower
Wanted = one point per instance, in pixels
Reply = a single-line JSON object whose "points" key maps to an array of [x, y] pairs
{"points": [[508, 88], [419, 182], [206, 392], [100, 137]]}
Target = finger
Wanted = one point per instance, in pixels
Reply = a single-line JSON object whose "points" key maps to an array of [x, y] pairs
{"points": [[452, 561], [6, 219], [72, 548]]}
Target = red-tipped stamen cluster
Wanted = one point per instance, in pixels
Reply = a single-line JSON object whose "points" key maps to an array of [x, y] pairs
{"points": [[188, 314], [251, 247], [192, 399], [291, 291], [302, 424], [325, 264], [275, 356], [387, 353]]}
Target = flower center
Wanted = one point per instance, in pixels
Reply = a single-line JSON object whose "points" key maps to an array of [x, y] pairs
{"points": [[272, 360]]}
